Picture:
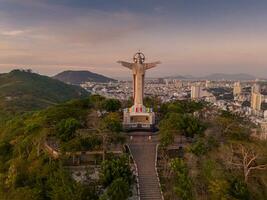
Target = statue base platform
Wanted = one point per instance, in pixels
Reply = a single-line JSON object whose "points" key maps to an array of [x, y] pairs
{"points": [[138, 118]]}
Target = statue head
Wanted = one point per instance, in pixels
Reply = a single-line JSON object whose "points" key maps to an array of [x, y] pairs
{"points": [[139, 58]]}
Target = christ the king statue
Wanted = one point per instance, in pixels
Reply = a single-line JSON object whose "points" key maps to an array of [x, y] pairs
{"points": [[139, 69], [138, 117]]}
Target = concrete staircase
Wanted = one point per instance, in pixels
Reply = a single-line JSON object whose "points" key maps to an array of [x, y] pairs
{"points": [[144, 152]]}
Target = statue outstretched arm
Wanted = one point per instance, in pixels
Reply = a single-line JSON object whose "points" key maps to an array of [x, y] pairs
{"points": [[126, 64], [151, 65]]}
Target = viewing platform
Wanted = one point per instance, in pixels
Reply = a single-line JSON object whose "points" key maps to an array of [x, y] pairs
{"points": [[139, 127]]}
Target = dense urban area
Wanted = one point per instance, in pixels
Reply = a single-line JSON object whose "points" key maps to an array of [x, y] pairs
{"points": [[245, 98]]}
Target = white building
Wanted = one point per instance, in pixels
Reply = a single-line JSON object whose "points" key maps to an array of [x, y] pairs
{"points": [[256, 99], [237, 89], [196, 91]]}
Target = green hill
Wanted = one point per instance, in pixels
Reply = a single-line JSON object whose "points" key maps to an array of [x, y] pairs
{"points": [[78, 77], [24, 91]]}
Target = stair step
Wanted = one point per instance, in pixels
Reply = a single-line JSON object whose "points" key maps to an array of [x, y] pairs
{"points": [[144, 155]]}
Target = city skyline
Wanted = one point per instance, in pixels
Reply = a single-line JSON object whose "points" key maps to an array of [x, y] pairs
{"points": [[189, 37]]}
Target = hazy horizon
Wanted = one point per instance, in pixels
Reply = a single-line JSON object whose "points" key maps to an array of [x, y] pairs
{"points": [[188, 37], [129, 75]]}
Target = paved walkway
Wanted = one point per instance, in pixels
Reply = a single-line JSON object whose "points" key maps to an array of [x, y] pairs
{"points": [[144, 152]]}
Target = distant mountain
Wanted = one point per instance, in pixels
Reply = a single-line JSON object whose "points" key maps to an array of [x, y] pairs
{"points": [[222, 76], [23, 91], [78, 77], [217, 76], [178, 77]]}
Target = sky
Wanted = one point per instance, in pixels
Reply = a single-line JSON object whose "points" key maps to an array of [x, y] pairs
{"points": [[189, 37]]}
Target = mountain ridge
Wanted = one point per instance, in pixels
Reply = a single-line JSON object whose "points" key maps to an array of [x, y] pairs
{"points": [[217, 76], [81, 76]]}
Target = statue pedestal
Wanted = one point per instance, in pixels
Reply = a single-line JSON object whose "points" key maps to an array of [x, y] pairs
{"points": [[138, 117]]}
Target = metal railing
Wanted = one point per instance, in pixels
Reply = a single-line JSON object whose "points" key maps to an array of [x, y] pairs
{"points": [[157, 174], [136, 173], [138, 126]]}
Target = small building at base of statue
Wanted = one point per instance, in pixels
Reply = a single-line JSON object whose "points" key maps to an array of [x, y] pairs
{"points": [[138, 118]]}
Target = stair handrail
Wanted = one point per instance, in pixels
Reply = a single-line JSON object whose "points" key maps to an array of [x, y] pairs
{"points": [[136, 175], [156, 169]]}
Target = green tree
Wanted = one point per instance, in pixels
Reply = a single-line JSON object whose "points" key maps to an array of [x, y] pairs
{"points": [[111, 122], [66, 128], [118, 190], [97, 101], [111, 105], [169, 127], [181, 107], [183, 183], [179, 124], [60, 186], [191, 126], [152, 102], [233, 127], [116, 168], [203, 145]]}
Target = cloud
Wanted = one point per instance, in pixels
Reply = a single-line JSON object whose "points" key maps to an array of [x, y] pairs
{"points": [[49, 38], [13, 32], [95, 28]]}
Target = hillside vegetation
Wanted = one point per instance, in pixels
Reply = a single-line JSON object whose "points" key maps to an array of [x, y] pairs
{"points": [[26, 91], [217, 158], [27, 170]]}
